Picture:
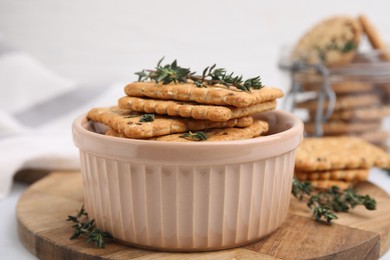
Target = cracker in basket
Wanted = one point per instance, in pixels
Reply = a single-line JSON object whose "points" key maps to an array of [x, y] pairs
{"points": [[331, 153], [362, 114], [344, 175], [220, 134], [130, 124], [333, 41], [341, 127], [341, 87], [192, 109], [373, 36], [344, 102], [214, 95]]}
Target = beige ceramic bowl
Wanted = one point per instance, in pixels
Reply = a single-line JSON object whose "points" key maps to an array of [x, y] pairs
{"points": [[189, 196]]}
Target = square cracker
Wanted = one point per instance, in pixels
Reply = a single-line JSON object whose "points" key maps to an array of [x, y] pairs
{"points": [[129, 123], [214, 95], [257, 128], [344, 102], [344, 175], [327, 153], [192, 109]]}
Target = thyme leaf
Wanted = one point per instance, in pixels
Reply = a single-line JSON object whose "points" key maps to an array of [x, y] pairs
{"points": [[86, 227], [197, 136], [147, 118], [325, 204], [210, 76]]}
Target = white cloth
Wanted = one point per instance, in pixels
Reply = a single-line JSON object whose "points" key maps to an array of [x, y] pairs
{"points": [[25, 82]]}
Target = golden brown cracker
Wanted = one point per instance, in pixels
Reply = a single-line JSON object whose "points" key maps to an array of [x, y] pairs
{"points": [[338, 127], [374, 36], [214, 95], [192, 109], [257, 128], [361, 114], [345, 175], [310, 81], [333, 41], [344, 102], [130, 125], [326, 184], [227, 134], [331, 153]]}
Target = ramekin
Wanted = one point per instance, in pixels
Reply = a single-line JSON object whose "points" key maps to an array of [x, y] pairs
{"points": [[196, 196]]}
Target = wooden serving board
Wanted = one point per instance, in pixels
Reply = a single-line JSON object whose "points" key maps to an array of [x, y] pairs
{"points": [[42, 211]]}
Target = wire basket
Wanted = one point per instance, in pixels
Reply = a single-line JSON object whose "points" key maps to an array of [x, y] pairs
{"points": [[353, 99]]}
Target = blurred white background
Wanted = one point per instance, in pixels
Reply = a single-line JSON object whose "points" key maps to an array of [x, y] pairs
{"points": [[101, 40], [97, 41]]}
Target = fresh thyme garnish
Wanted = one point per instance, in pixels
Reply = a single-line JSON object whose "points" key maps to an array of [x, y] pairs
{"points": [[325, 204], [147, 118], [197, 136], [347, 47], [210, 76], [88, 228]]}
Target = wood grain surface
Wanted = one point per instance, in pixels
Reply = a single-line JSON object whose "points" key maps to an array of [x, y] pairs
{"points": [[42, 211]]}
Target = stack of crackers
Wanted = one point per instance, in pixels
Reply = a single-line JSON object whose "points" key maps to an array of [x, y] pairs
{"points": [[183, 112], [362, 103], [358, 111], [337, 161]]}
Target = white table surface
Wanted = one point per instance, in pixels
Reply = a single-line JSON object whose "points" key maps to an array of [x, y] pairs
{"points": [[11, 247]]}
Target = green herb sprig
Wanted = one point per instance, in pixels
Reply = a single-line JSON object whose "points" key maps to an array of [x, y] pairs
{"points": [[87, 227], [147, 118], [333, 46], [197, 136], [211, 76], [325, 204]]}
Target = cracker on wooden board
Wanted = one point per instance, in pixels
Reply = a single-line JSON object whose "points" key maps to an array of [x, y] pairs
{"points": [[326, 184], [331, 153], [344, 175], [333, 40], [192, 109], [257, 128], [129, 124], [214, 95], [341, 127]]}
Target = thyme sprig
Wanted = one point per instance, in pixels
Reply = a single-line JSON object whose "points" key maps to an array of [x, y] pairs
{"points": [[325, 204], [211, 76], [197, 136], [333, 46], [147, 118], [87, 227]]}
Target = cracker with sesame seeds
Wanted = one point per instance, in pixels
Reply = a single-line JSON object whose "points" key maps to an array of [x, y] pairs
{"points": [[192, 109], [220, 134], [332, 41], [348, 175], [344, 102], [331, 153], [338, 127], [212, 94], [130, 123]]}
